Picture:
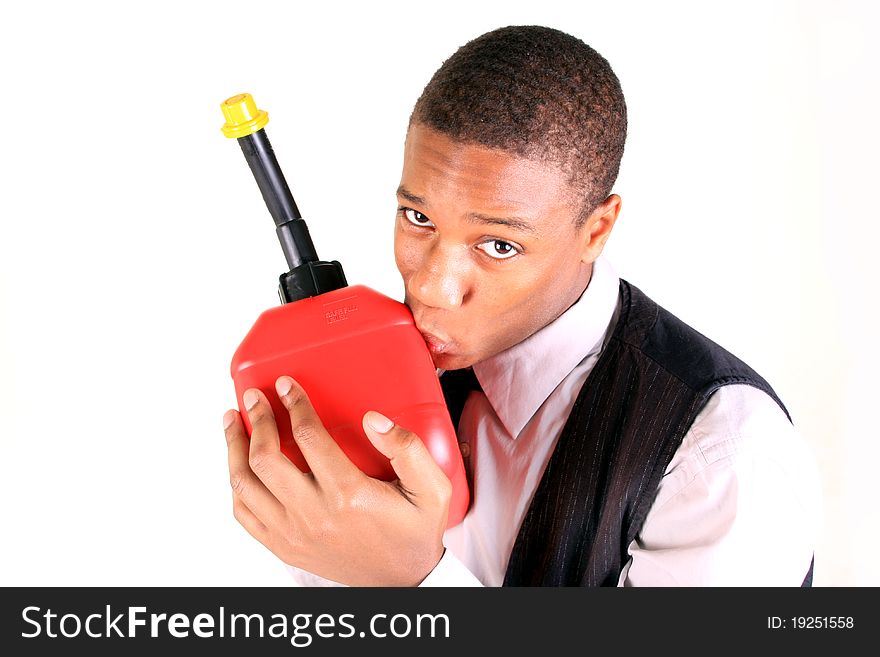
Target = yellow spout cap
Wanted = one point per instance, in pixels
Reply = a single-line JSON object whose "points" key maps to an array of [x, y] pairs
{"points": [[242, 116]]}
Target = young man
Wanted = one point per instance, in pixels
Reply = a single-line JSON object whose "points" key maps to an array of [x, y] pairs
{"points": [[607, 442]]}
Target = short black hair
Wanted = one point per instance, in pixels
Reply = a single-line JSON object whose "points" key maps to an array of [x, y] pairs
{"points": [[534, 92]]}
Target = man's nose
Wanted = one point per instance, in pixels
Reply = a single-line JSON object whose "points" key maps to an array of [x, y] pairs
{"points": [[441, 281]]}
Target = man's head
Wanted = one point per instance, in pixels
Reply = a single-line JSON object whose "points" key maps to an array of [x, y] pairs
{"points": [[505, 197]]}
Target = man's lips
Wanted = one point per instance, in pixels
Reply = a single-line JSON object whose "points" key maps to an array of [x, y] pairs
{"points": [[435, 344]]}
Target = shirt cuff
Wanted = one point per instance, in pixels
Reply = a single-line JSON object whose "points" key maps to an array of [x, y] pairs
{"points": [[449, 571]]}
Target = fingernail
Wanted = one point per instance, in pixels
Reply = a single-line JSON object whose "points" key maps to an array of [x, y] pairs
{"points": [[379, 422], [250, 398], [228, 419], [283, 386]]}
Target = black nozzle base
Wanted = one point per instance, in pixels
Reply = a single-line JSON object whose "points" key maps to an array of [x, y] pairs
{"points": [[311, 279]]}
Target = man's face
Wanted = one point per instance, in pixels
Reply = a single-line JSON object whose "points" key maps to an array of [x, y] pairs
{"points": [[486, 244]]}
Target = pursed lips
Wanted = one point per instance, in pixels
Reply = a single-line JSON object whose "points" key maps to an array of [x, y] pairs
{"points": [[435, 344]]}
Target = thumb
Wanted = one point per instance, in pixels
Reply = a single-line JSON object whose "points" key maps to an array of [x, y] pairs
{"points": [[415, 467]]}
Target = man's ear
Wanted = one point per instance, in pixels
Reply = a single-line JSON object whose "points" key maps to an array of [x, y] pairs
{"points": [[597, 228]]}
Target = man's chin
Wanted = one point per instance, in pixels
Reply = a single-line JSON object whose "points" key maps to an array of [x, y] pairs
{"points": [[448, 361]]}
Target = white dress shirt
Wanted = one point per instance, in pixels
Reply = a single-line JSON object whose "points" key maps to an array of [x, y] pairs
{"points": [[737, 505]]}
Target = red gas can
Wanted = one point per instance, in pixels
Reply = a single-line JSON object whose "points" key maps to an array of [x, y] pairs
{"points": [[351, 348]]}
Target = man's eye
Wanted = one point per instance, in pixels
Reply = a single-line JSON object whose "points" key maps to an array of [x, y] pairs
{"points": [[498, 249], [415, 217]]}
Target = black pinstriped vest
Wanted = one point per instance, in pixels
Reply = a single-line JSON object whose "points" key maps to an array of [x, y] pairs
{"points": [[652, 378]]}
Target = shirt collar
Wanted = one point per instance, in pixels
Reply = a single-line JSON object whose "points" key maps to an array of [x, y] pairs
{"points": [[518, 380]]}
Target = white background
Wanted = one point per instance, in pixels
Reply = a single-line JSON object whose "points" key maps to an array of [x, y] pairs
{"points": [[136, 252]]}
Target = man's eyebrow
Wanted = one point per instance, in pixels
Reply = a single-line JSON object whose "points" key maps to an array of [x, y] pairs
{"points": [[515, 223], [404, 193]]}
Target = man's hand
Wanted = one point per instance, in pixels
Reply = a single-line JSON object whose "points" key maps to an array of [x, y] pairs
{"points": [[335, 521]]}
